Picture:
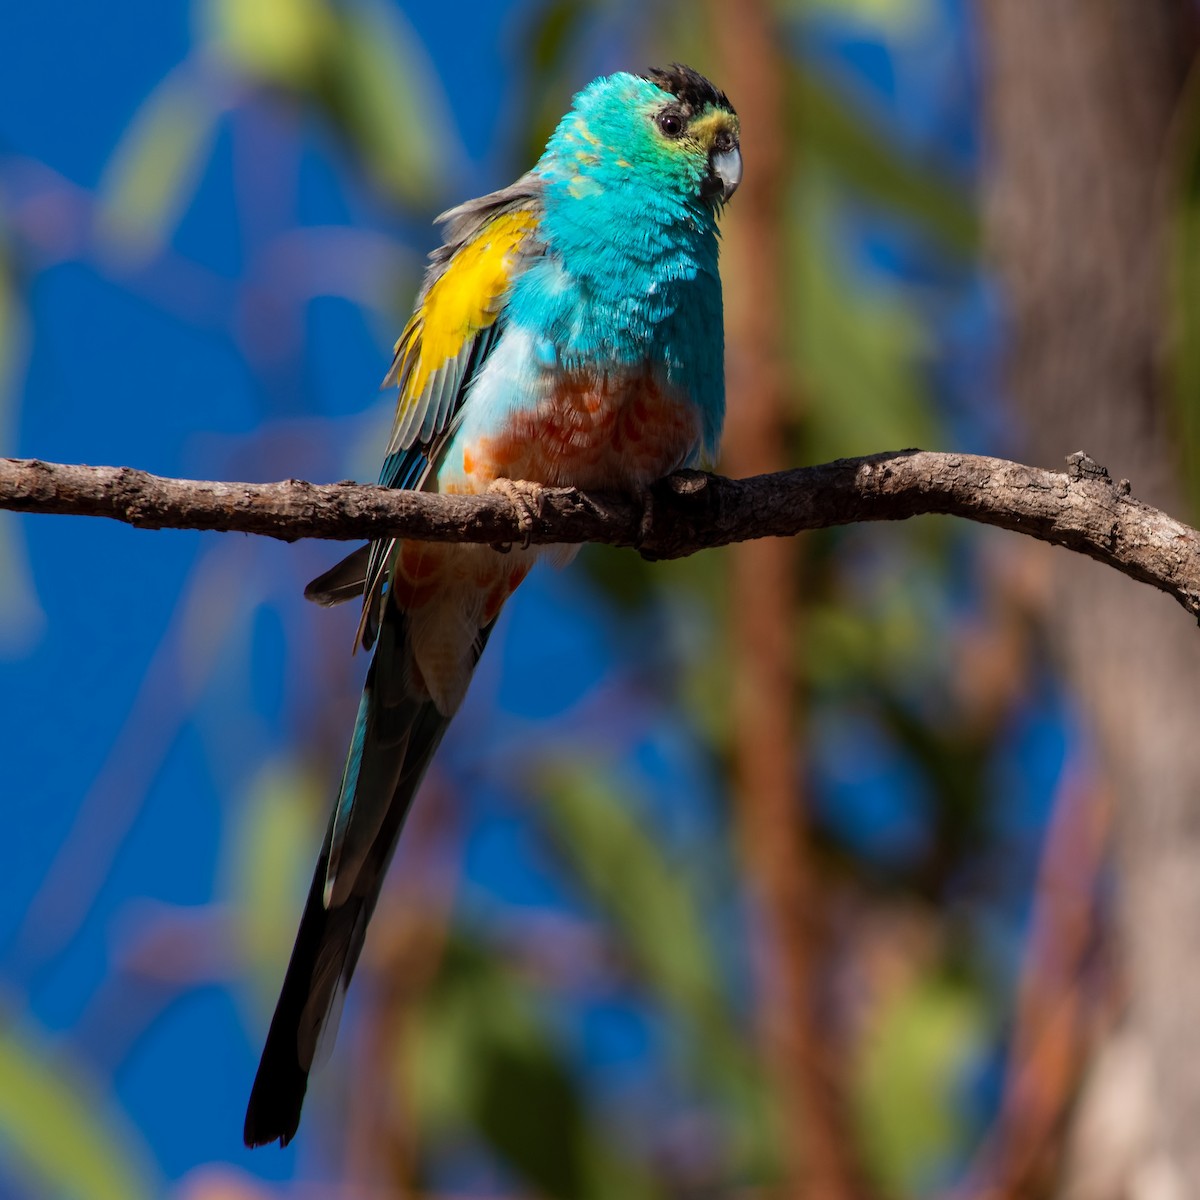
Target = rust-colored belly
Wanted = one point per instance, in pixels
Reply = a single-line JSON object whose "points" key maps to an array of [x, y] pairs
{"points": [[603, 431]]}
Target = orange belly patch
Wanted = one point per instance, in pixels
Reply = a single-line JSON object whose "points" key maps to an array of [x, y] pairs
{"points": [[596, 431]]}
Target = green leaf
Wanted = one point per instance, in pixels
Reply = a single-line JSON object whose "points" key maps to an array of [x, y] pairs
{"points": [[860, 352], [908, 1077], [861, 637], [887, 18], [155, 168], [831, 133], [271, 851], [21, 615], [552, 32], [654, 905], [383, 92], [279, 42], [650, 900], [62, 1131], [480, 1057], [549, 41]]}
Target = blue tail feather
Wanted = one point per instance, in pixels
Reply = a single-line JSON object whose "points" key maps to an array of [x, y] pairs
{"points": [[395, 737]]}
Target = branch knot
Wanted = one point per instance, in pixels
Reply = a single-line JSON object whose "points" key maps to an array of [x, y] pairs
{"points": [[1082, 466]]}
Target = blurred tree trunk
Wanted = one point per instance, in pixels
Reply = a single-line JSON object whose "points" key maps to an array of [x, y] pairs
{"points": [[819, 1152], [1081, 96]]}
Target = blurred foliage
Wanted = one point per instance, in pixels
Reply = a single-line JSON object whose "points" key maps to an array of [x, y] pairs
{"points": [[279, 42], [485, 1060], [655, 909], [910, 1078], [481, 1057], [19, 611], [62, 1129], [1184, 258], [830, 132], [151, 177], [651, 902], [387, 103], [268, 850], [860, 353], [554, 34], [359, 65], [887, 17]]}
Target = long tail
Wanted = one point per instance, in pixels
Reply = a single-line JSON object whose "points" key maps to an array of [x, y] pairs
{"points": [[395, 736]]}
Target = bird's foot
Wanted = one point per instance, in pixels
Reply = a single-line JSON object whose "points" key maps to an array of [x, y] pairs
{"points": [[526, 498], [642, 498]]}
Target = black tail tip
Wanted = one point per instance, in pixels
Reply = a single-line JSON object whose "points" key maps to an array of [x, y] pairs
{"points": [[273, 1114], [260, 1131]]}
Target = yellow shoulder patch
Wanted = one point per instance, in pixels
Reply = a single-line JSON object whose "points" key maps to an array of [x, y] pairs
{"points": [[463, 301]]}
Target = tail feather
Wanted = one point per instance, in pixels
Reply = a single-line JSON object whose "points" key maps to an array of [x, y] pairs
{"points": [[307, 995], [341, 582], [395, 737]]}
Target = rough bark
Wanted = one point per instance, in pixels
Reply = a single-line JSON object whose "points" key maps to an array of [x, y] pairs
{"points": [[1081, 510], [1080, 101]]}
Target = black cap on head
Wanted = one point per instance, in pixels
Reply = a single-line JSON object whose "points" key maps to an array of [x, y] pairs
{"points": [[689, 87]]}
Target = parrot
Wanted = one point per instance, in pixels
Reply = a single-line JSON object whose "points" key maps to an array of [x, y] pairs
{"points": [[568, 333]]}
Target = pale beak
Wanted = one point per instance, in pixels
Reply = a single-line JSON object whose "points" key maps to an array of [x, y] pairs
{"points": [[725, 172]]}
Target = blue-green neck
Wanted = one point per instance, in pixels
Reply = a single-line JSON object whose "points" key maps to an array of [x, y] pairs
{"points": [[631, 275]]}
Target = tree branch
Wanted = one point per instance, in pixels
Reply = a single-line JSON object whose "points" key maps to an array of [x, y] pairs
{"points": [[1081, 509]]}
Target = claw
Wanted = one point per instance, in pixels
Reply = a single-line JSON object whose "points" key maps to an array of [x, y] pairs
{"points": [[645, 497], [526, 498]]}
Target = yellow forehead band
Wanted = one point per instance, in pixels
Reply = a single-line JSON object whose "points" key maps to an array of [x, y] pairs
{"points": [[706, 128]]}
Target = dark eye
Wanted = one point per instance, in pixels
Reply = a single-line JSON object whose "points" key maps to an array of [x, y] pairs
{"points": [[671, 123]]}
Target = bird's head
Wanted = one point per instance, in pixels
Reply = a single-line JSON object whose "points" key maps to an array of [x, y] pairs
{"points": [[670, 129]]}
